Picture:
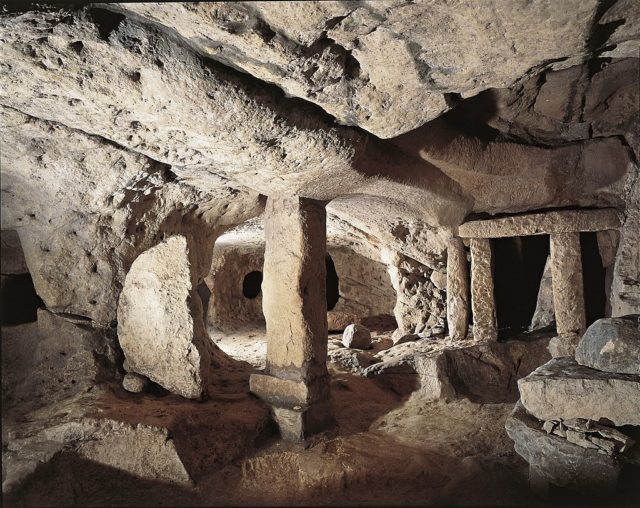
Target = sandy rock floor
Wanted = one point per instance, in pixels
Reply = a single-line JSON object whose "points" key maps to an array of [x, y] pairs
{"points": [[388, 449]]}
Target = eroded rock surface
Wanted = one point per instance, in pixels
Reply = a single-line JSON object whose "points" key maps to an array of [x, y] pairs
{"points": [[612, 345], [564, 389], [160, 324]]}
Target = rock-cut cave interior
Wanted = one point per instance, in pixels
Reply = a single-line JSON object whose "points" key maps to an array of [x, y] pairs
{"points": [[372, 253]]}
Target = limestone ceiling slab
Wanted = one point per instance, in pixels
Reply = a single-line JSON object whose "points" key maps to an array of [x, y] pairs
{"points": [[145, 92], [388, 66]]}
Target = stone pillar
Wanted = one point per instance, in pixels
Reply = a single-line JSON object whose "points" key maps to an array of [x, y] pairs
{"points": [[482, 300], [566, 278], [457, 289], [296, 384]]}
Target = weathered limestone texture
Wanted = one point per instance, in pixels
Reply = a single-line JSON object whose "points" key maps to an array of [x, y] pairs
{"points": [[612, 345], [233, 259], [625, 287], [443, 369], [356, 336], [482, 299], [563, 221], [564, 389], [330, 53], [457, 289], [53, 359], [568, 292], [555, 460], [295, 310], [544, 314], [160, 325], [420, 306]]}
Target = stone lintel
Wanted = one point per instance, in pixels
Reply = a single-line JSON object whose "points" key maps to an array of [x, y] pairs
{"points": [[558, 221]]}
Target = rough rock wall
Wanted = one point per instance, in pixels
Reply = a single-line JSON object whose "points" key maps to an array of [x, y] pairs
{"points": [[420, 304], [233, 259], [365, 288], [364, 285], [370, 63], [77, 222]]}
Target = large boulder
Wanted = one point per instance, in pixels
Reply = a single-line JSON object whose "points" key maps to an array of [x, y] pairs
{"points": [[612, 345], [564, 389], [160, 327]]}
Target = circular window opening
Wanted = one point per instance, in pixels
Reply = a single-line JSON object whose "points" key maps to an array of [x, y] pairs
{"points": [[333, 284], [252, 284]]}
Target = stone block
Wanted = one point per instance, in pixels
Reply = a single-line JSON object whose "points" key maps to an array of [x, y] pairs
{"points": [[564, 345], [356, 336], [279, 392], [562, 388], [557, 461], [298, 423]]}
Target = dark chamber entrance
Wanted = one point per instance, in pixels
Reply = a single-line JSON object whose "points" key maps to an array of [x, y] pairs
{"points": [[518, 265], [19, 300], [333, 283], [593, 276]]}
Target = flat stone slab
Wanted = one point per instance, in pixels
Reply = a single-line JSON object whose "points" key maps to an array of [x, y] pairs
{"points": [[558, 461], [612, 345], [561, 221], [562, 388]]}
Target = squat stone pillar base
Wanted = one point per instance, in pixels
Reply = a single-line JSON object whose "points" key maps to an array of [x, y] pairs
{"points": [[482, 298], [566, 279], [296, 381]]}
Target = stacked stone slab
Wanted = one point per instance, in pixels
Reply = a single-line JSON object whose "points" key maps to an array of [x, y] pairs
{"points": [[565, 422]]}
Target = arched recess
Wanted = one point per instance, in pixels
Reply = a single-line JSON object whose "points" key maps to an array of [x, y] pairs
{"points": [[357, 286], [19, 301]]}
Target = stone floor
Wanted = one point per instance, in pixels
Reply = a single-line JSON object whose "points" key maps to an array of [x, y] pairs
{"points": [[391, 447]]}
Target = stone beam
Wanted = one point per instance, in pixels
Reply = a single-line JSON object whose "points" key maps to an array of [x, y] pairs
{"points": [[457, 289], [566, 278], [559, 221], [296, 383], [482, 298]]}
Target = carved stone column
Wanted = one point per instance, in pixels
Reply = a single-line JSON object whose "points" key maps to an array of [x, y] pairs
{"points": [[295, 309], [566, 278], [482, 298], [457, 289]]}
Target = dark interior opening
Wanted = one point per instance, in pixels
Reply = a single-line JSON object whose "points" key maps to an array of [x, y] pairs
{"points": [[333, 283], [518, 265], [593, 276], [19, 301], [252, 284]]}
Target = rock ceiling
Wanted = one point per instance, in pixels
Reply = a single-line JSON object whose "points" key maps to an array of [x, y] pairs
{"points": [[331, 100]]}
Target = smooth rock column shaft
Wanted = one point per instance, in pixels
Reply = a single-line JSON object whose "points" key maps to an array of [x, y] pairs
{"points": [[457, 289], [295, 310], [482, 297], [566, 279]]}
